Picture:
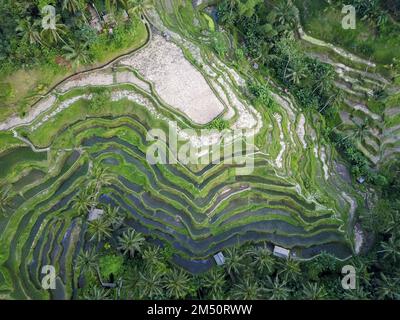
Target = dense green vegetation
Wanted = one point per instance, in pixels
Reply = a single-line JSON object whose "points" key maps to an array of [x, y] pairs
{"points": [[33, 59]]}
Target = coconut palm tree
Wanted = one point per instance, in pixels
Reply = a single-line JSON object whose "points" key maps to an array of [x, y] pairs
{"points": [[391, 249], [388, 288], [5, 199], [214, 281], [357, 294], [246, 289], [73, 5], [54, 34], [314, 291], [114, 216], [286, 14], [277, 289], [99, 229], [78, 53], [177, 284], [82, 202], [100, 177], [290, 270], [153, 257], [28, 30], [87, 261], [262, 260], [360, 132], [394, 222], [233, 261], [296, 73], [96, 293], [131, 242], [150, 284]]}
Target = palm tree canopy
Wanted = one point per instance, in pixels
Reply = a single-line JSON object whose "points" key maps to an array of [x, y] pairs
{"points": [[177, 284], [215, 282], [99, 229], [233, 260], [150, 284], [247, 289], [87, 261], [130, 242], [77, 52]]}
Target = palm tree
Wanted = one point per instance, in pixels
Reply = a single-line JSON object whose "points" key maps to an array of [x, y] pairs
{"points": [[296, 73], [150, 284], [5, 199], [360, 132], [153, 258], [247, 289], [114, 217], [233, 261], [99, 229], [72, 5], [78, 53], [130, 242], [177, 284], [277, 289], [394, 222], [111, 5], [28, 31], [357, 294], [286, 14], [313, 291], [291, 270], [87, 261], [215, 282], [96, 293], [325, 82], [263, 261], [100, 177], [388, 288], [391, 249], [82, 202], [54, 34]]}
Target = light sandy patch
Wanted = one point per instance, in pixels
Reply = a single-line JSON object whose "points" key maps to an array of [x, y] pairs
{"points": [[176, 81], [286, 104], [135, 97], [42, 106], [237, 78], [358, 238], [96, 78], [324, 164], [129, 77], [279, 158], [301, 130], [230, 112]]}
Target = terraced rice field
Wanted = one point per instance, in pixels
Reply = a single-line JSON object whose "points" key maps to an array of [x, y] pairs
{"points": [[366, 109], [297, 195]]}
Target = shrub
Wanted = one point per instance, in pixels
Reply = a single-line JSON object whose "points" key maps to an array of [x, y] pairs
{"points": [[110, 264]]}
